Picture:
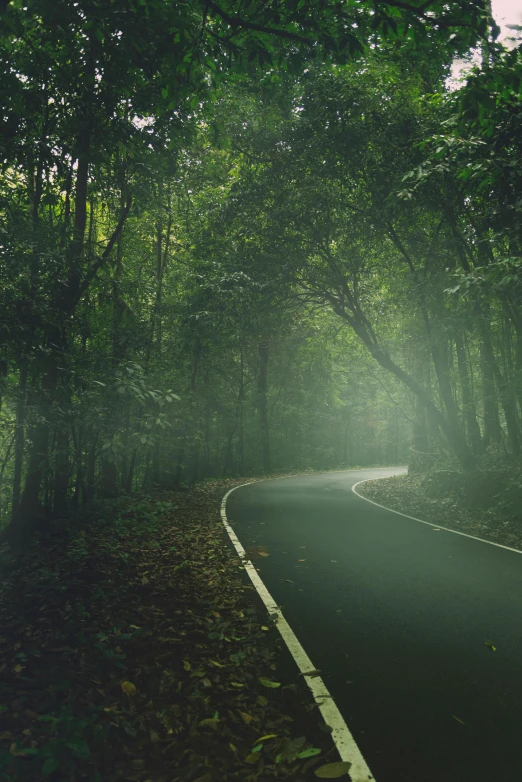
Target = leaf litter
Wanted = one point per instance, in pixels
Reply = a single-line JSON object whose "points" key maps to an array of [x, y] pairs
{"points": [[407, 494], [133, 649]]}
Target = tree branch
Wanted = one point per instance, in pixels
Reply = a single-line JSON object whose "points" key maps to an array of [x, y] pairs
{"points": [[235, 22], [96, 265]]}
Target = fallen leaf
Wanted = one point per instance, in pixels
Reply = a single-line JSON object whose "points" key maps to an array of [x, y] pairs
{"points": [[264, 628], [247, 718], [144, 580], [210, 722], [491, 646], [237, 684], [128, 688], [268, 736], [216, 614], [333, 770], [218, 665], [456, 718], [309, 753], [252, 758], [268, 683], [288, 581], [264, 554], [311, 673], [187, 666], [301, 560]]}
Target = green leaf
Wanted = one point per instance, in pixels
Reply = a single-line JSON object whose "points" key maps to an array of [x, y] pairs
{"points": [[309, 753], [50, 765], [268, 683], [333, 770]]}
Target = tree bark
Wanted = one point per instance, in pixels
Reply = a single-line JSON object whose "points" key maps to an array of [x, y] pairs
{"points": [[492, 431], [262, 387], [505, 392], [468, 405], [453, 433], [61, 470], [21, 409], [79, 487], [241, 414]]}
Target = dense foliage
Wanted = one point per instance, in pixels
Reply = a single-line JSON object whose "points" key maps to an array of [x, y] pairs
{"points": [[245, 237]]}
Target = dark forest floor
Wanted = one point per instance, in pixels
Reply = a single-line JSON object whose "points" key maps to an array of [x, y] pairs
{"points": [[500, 522], [135, 648]]}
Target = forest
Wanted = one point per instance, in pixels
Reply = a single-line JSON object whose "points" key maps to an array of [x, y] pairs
{"points": [[246, 238], [240, 240]]}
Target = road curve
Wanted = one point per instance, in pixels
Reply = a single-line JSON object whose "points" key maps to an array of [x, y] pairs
{"points": [[396, 615]]}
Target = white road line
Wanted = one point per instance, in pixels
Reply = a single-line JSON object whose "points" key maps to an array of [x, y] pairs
{"points": [[343, 739], [428, 523]]}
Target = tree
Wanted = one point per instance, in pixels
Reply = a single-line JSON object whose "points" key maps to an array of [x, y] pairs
{"points": [[109, 111]]}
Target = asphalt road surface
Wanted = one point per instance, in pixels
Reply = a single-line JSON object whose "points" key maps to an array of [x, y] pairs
{"points": [[396, 615]]}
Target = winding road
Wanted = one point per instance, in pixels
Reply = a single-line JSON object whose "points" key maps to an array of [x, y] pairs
{"points": [[397, 615]]}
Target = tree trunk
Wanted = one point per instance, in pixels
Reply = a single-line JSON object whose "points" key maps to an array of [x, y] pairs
{"points": [[180, 462], [262, 387], [21, 409], [91, 470], [241, 415], [130, 472], [468, 405], [505, 392], [61, 470], [79, 487], [29, 509], [492, 431], [452, 431], [515, 318], [228, 460], [194, 460], [155, 463]]}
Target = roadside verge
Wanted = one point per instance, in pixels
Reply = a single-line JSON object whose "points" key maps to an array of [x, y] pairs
{"points": [[132, 649], [400, 492]]}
